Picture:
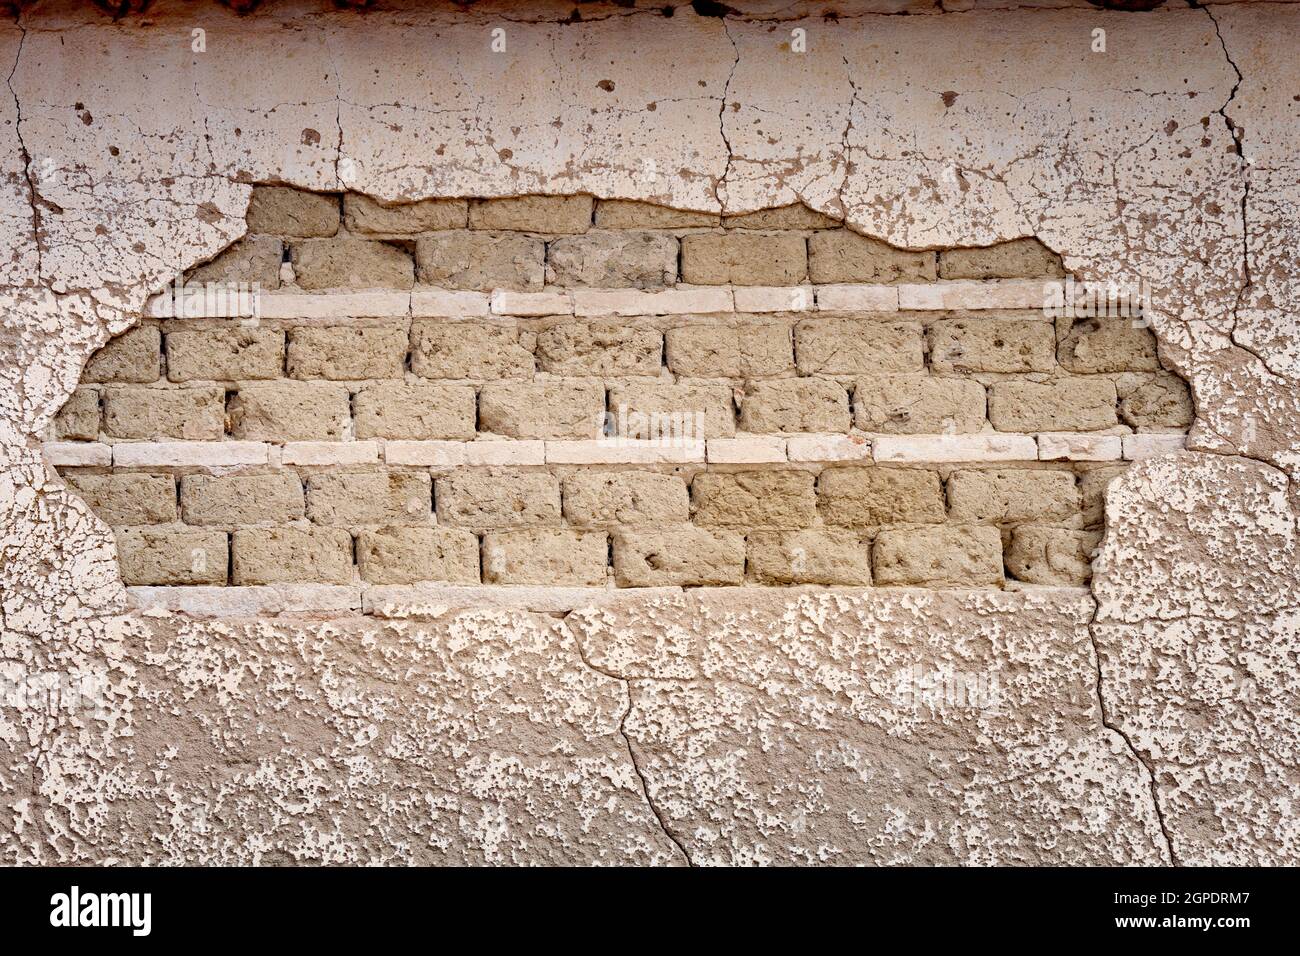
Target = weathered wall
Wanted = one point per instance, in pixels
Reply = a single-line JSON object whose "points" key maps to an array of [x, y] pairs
{"points": [[712, 726]]}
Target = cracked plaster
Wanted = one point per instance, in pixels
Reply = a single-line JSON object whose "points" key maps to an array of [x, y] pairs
{"points": [[715, 727]]}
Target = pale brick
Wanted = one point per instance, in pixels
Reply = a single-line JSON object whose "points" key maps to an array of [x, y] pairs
{"points": [[194, 412], [359, 498], [285, 211], [487, 502], [1067, 446], [234, 500], [822, 556], [640, 260], [857, 298], [918, 404], [224, 355], [841, 255], [271, 555], [468, 350], [171, 556], [367, 216], [329, 453], [685, 556], [1109, 345], [289, 411], [550, 302], [600, 348], [729, 351], [1063, 405], [423, 600], [250, 600], [795, 405], [793, 216], [1012, 495], [983, 295], [628, 214], [77, 454], [217, 299], [625, 499], [189, 454], [454, 454], [828, 448], [870, 497], [764, 298], [550, 215], [747, 450], [1163, 402], [348, 263], [128, 499], [1051, 556], [348, 353], [549, 556], [944, 448], [253, 259], [742, 258], [78, 420], [849, 347], [1148, 446], [446, 303], [948, 557], [133, 356], [992, 345], [208, 601], [419, 412], [547, 408], [623, 451], [597, 302], [408, 555], [468, 260], [659, 410], [754, 499], [1006, 260], [315, 307]]}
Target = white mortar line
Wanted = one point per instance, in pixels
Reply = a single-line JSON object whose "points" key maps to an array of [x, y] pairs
{"points": [[436, 302]]}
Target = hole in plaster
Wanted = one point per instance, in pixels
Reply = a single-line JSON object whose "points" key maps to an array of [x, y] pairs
{"points": [[558, 391]]}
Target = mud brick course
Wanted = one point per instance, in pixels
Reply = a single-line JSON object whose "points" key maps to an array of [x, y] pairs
{"points": [[561, 391]]}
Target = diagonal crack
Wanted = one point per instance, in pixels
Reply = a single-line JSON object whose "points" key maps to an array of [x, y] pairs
{"points": [[719, 188], [1238, 135], [1110, 725], [32, 195], [627, 741]]}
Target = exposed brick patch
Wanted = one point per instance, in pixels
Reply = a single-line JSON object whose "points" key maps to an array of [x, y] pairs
{"points": [[559, 395]]}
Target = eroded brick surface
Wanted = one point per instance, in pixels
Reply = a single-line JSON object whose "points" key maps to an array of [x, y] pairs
{"points": [[525, 440]]}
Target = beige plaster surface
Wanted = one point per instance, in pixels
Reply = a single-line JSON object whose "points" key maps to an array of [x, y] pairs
{"points": [[713, 727]]}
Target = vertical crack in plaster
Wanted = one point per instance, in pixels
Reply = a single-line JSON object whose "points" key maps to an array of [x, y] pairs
{"points": [[1238, 134], [845, 147], [720, 186], [1128, 741], [338, 114], [627, 741], [37, 806], [26, 156]]}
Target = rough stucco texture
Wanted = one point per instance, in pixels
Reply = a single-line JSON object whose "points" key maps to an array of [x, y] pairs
{"points": [[1153, 721]]}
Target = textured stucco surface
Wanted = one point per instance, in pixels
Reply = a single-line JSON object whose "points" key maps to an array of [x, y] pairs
{"points": [[758, 730]]}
